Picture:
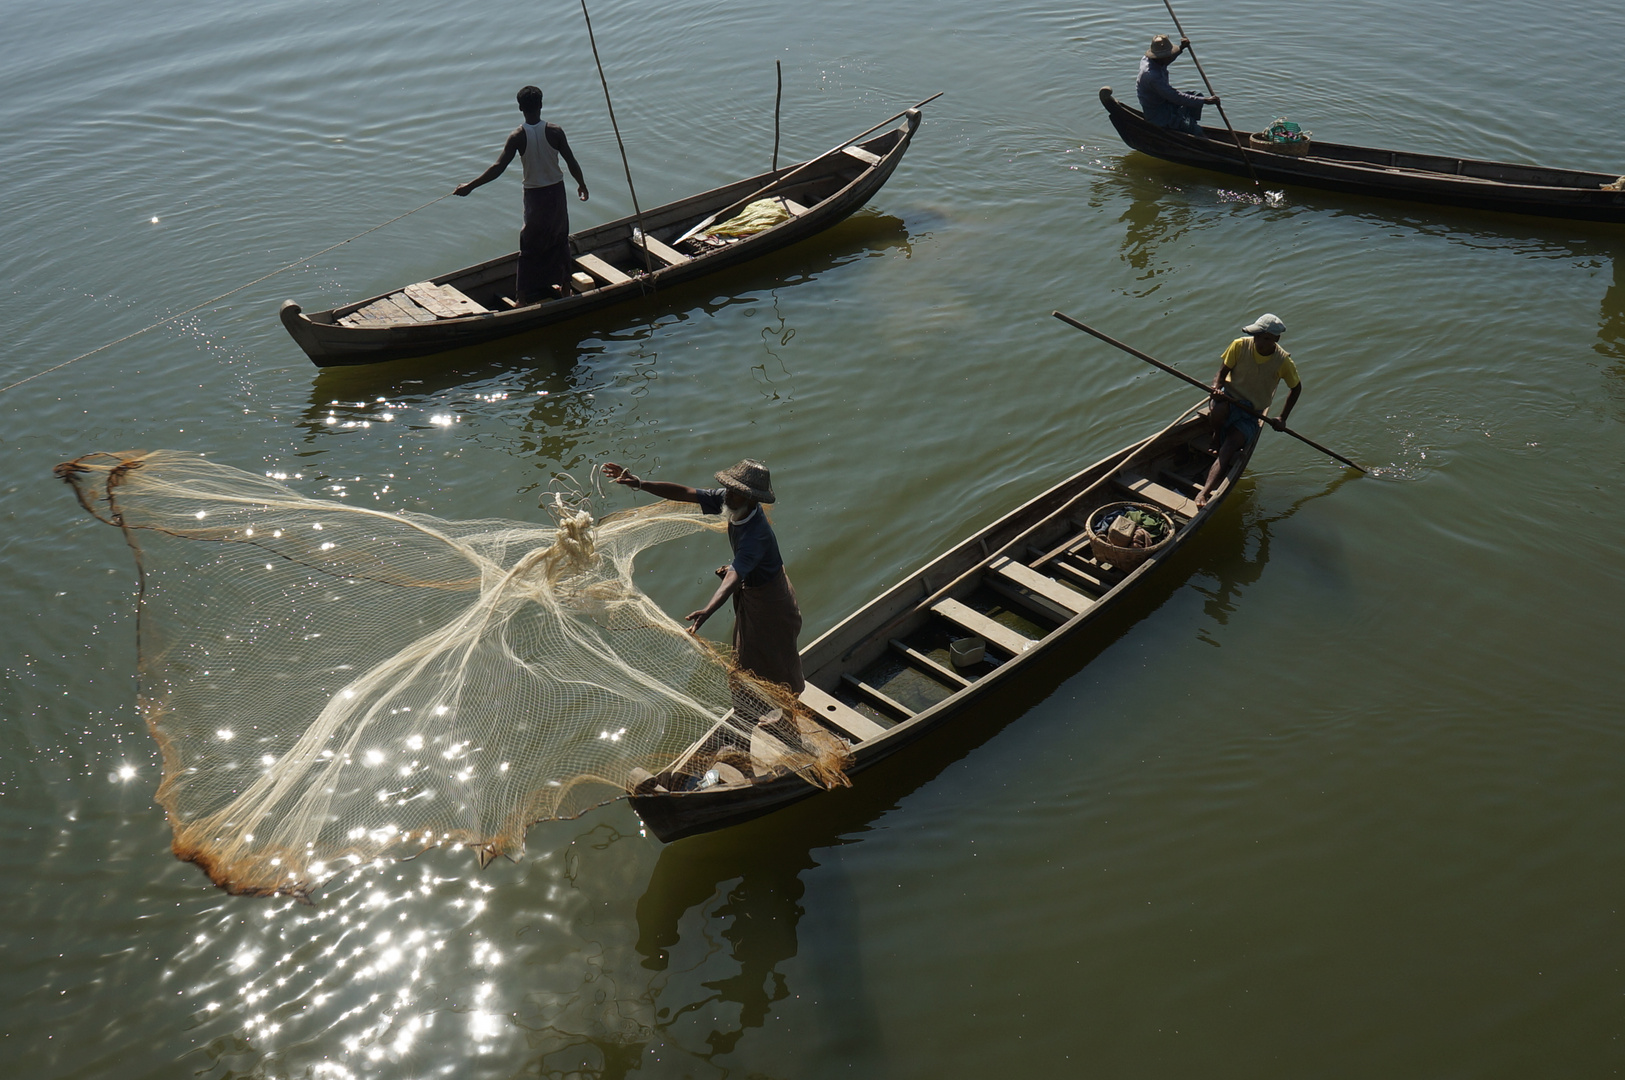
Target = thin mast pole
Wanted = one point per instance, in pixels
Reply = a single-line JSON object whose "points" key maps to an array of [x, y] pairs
{"points": [[778, 95], [637, 212]]}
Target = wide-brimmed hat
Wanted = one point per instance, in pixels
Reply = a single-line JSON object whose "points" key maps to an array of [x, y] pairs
{"points": [[749, 477], [1266, 324], [1161, 48]]}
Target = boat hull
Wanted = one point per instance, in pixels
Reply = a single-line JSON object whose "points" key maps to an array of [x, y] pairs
{"points": [[1502, 187], [843, 186]]}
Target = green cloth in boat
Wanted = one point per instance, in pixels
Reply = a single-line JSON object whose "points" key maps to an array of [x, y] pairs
{"points": [[756, 217]]}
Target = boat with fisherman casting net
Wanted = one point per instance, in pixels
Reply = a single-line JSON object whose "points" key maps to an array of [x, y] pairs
{"points": [[899, 666], [1386, 174], [613, 262]]}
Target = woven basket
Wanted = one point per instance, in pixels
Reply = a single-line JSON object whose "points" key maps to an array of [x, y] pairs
{"points": [[1292, 149], [1127, 558]]}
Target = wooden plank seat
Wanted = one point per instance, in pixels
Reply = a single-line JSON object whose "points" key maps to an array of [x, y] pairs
{"points": [[1143, 487], [862, 155], [876, 695], [1089, 576], [795, 208], [841, 717], [395, 310], [665, 253], [443, 301], [929, 666], [1064, 600], [601, 270], [974, 622]]}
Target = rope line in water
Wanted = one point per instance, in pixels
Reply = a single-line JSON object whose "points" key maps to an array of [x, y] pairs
{"points": [[216, 299]]}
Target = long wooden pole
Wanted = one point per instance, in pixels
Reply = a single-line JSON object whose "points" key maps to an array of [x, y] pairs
{"points": [[636, 211], [1214, 93], [778, 96], [1234, 404], [837, 148]]}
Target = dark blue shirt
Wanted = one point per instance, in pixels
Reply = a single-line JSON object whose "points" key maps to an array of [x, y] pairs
{"points": [[756, 549], [1159, 101]]}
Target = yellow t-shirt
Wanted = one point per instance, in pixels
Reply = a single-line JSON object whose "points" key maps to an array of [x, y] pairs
{"points": [[1253, 377]]}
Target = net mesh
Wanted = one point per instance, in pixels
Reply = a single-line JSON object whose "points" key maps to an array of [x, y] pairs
{"points": [[331, 684]]}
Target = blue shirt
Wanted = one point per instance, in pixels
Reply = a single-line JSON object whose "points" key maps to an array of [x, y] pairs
{"points": [[1158, 99], [756, 549]]}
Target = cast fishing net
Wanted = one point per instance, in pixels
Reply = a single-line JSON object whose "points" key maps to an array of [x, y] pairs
{"points": [[332, 685]]}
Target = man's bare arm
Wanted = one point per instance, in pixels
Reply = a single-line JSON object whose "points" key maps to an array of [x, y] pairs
{"points": [[660, 489], [514, 145], [563, 147]]}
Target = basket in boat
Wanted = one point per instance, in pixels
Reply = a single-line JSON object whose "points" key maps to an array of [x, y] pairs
{"points": [[1125, 558], [1258, 141]]}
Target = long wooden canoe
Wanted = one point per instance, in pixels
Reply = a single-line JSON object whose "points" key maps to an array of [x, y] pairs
{"points": [[1387, 174], [884, 677], [475, 304]]}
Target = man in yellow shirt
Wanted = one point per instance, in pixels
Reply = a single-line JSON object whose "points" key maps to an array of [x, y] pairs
{"points": [[1250, 370]]}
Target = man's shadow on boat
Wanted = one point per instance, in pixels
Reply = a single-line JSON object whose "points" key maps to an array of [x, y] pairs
{"points": [[568, 348], [760, 863]]}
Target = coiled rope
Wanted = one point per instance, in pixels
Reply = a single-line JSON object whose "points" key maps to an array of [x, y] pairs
{"points": [[222, 296]]}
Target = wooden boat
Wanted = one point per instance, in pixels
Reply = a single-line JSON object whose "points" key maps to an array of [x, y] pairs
{"points": [[1387, 174], [884, 677], [475, 305]]}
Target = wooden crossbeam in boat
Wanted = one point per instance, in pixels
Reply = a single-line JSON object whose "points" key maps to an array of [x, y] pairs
{"points": [[974, 622], [842, 717], [1021, 598], [795, 208], [443, 301], [1090, 576], [1068, 600], [1148, 489], [602, 270], [877, 695], [665, 253], [862, 155], [930, 666]]}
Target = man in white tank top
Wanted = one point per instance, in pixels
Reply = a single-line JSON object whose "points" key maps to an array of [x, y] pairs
{"points": [[544, 243]]}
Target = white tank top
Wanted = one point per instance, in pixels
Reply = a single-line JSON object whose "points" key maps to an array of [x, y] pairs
{"points": [[541, 161]]}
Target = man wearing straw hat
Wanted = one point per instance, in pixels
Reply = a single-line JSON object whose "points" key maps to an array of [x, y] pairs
{"points": [[544, 243], [1159, 101], [1249, 372], [767, 619]]}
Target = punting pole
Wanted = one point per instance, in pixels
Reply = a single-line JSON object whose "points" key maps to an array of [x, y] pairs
{"points": [[637, 213], [1154, 362], [837, 148], [778, 96], [1214, 93]]}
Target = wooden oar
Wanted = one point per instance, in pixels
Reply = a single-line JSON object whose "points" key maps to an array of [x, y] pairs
{"points": [[1200, 385], [1214, 93], [837, 148]]}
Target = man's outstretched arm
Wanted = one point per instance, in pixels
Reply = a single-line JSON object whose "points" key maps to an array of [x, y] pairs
{"points": [[514, 145]]}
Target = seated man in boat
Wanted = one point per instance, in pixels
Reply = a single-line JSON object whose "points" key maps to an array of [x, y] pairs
{"points": [[544, 243], [767, 618], [1248, 373], [1161, 103]]}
